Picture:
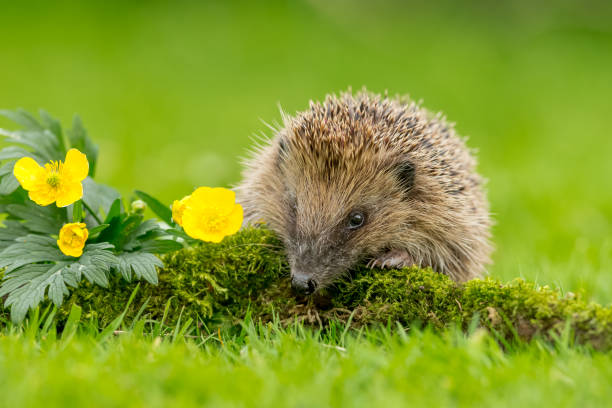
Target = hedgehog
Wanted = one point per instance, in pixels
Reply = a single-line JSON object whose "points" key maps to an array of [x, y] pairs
{"points": [[368, 179]]}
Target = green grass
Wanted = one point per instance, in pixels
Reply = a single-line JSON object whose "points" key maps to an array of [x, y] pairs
{"points": [[173, 91], [264, 366]]}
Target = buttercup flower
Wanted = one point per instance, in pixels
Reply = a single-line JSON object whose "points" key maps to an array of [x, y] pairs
{"points": [[178, 207], [210, 214], [72, 239], [58, 181]]}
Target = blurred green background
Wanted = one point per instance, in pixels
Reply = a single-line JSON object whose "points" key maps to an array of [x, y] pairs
{"points": [[174, 91]]}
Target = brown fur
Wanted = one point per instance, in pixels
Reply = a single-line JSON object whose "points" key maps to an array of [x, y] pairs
{"points": [[347, 154]]}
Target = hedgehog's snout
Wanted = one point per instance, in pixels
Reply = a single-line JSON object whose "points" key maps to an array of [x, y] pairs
{"points": [[303, 283], [303, 268]]}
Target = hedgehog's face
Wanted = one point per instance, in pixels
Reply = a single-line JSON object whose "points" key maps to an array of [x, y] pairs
{"points": [[319, 254], [338, 212]]}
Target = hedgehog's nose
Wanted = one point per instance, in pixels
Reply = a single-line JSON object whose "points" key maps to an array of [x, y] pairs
{"points": [[303, 284]]}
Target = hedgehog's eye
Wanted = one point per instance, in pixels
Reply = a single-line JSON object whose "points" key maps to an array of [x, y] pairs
{"points": [[356, 220]]}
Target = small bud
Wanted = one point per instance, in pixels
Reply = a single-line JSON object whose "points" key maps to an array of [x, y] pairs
{"points": [[138, 207]]}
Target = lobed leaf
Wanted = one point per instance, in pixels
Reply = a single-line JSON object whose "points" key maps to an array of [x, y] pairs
{"points": [[12, 230], [142, 264], [47, 220], [27, 250], [8, 184], [27, 280], [22, 118], [55, 127], [95, 263], [16, 152], [44, 144], [27, 289]]}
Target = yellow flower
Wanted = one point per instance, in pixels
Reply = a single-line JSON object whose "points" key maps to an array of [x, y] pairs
{"points": [[210, 214], [72, 239], [56, 182], [178, 207]]}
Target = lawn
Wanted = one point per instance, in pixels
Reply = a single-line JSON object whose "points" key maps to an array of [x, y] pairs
{"points": [[268, 367], [173, 93]]}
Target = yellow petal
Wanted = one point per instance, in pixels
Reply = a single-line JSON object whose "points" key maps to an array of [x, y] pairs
{"points": [[217, 197], [201, 196], [68, 250], [70, 193], [223, 197], [191, 223], [84, 231], [76, 166], [44, 195], [234, 220], [29, 173], [212, 237], [178, 207]]}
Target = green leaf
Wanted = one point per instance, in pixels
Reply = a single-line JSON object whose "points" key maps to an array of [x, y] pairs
{"points": [[161, 246], [129, 225], [142, 264], [120, 230], [112, 232], [44, 144], [8, 184], [149, 237], [22, 118], [27, 290], [98, 196], [7, 168], [48, 220], [12, 230], [145, 227], [98, 229], [57, 288], [79, 140], [26, 287], [114, 211], [27, 281], [95, 263], [30, 249], [55, 127], [131, 241], [16, 152], [161, 210]]}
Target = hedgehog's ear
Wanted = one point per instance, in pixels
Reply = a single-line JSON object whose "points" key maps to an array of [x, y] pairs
{"points": [[404, 171]]}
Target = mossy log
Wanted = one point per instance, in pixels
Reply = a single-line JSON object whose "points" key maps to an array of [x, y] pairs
{"points": [[247, 273]]}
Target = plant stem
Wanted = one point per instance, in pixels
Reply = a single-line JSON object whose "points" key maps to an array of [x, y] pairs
{"points": [[93, 214]]}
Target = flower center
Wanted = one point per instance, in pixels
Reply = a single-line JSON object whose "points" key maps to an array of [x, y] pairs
{"points": [[53, 179], [214, 222], [53, 173], [74, 238]]}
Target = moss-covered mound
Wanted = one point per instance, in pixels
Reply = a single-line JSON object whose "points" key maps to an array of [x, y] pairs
{"points": [[247, 273]]}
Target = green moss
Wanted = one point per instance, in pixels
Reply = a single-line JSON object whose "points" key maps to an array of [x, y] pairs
{"points": [[213, 282], [219, 283]]}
